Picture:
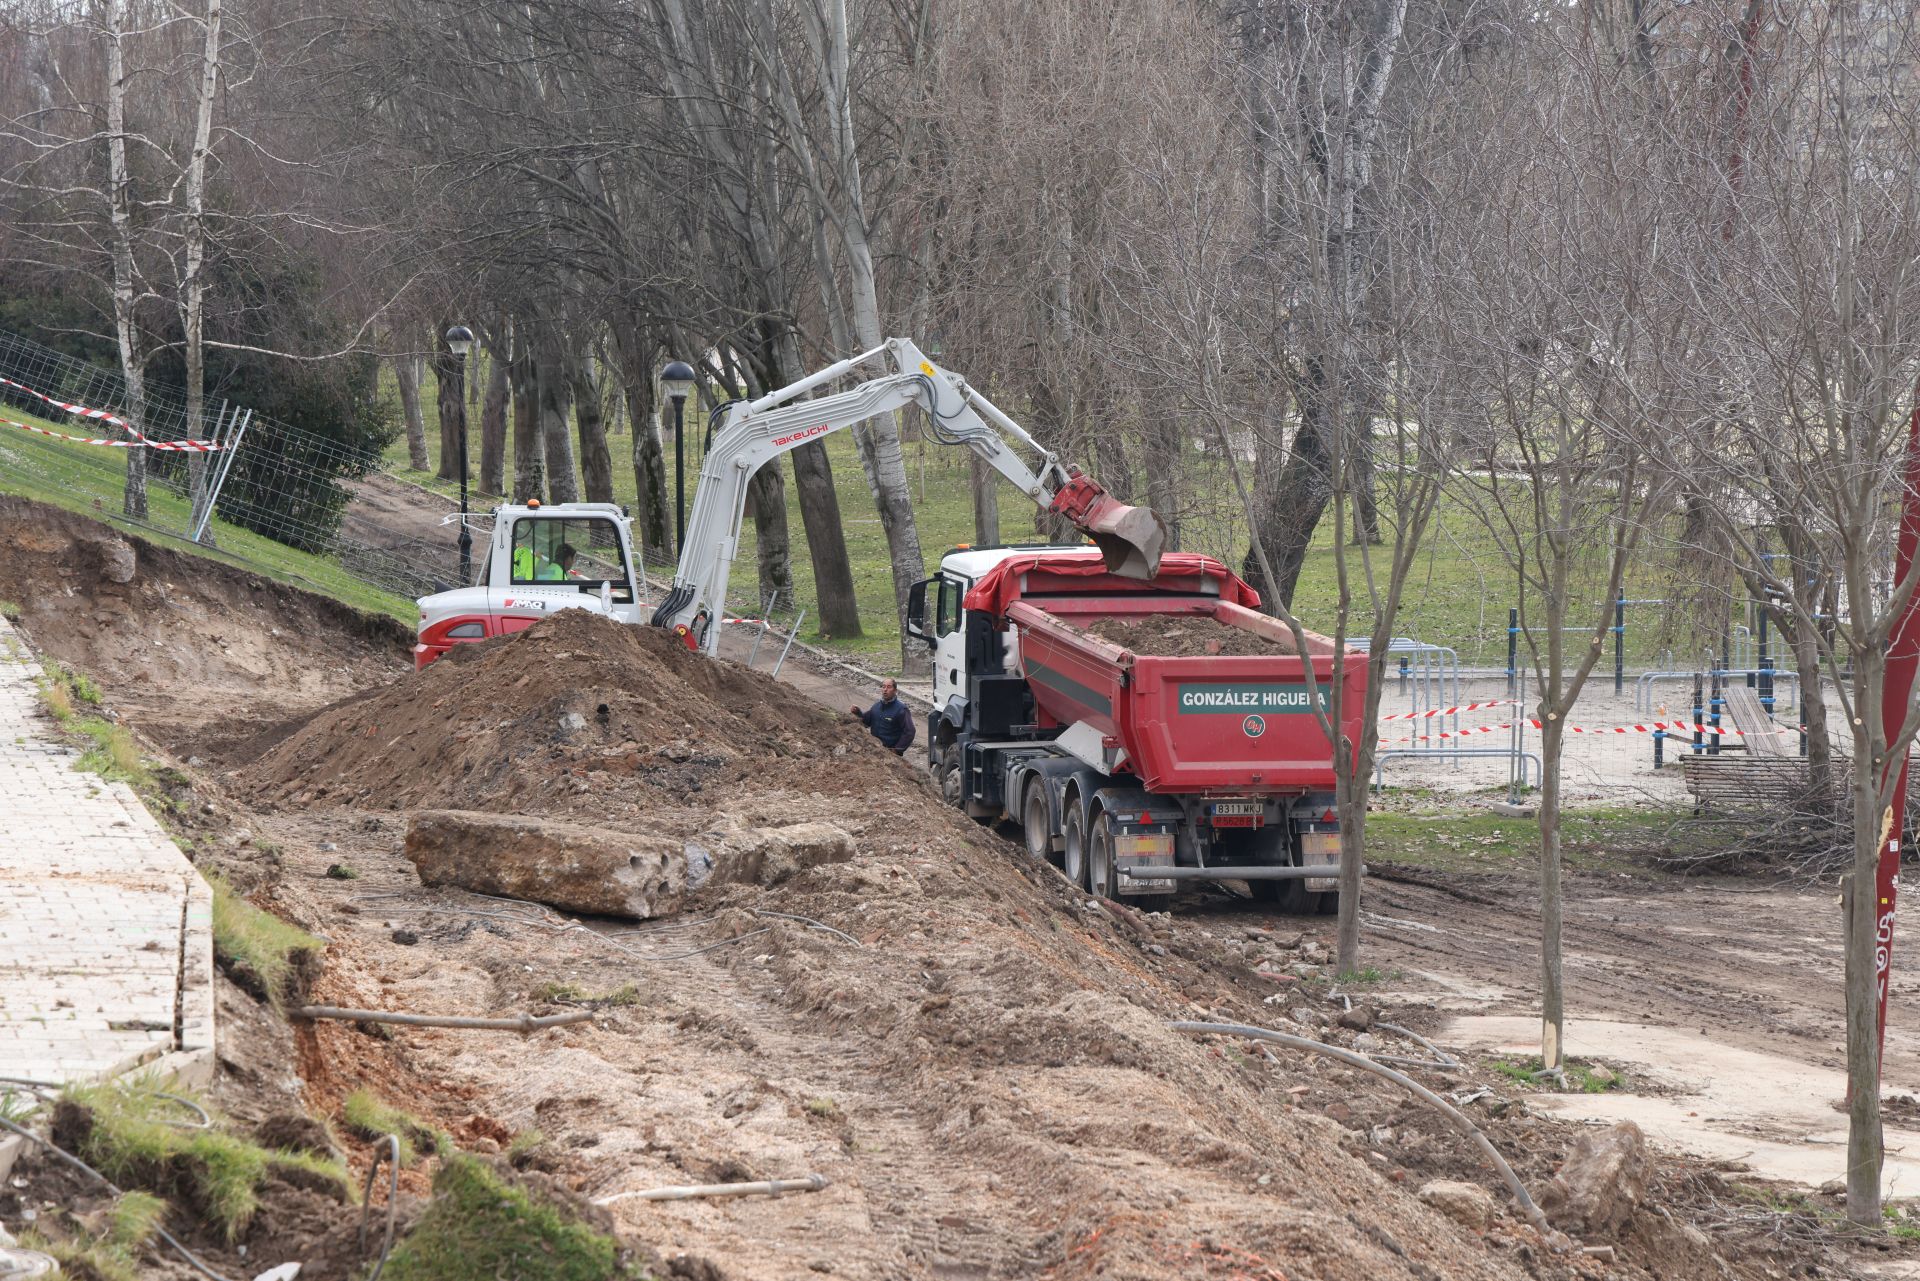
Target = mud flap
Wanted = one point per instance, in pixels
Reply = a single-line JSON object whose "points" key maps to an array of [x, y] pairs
{"points": [[1321, 848], [1130, 539]]}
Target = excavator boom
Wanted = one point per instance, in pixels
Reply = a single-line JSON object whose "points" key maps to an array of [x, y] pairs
{"points": [[1131, 539]]}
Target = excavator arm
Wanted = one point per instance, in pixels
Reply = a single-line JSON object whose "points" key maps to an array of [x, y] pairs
{"points": [[1130, 538]]}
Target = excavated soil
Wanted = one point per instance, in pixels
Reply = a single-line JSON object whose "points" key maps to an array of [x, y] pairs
{"points": [[198, 648], [973, 1054], [1182, 635], [576, 716]]}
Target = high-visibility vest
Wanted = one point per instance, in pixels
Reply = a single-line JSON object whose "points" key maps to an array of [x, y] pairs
{"points": [[523, 564]]}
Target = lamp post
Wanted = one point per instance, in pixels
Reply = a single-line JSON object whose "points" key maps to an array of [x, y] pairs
{"points": [[677, 380], [460, 342]]}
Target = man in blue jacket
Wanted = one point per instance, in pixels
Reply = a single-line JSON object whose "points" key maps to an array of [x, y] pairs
{"points": [[890, 720]]}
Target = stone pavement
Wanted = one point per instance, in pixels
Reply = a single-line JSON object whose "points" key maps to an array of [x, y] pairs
{"points": [[106, 930]]}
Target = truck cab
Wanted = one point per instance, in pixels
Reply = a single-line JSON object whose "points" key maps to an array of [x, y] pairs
{"points": [[539, 559]]}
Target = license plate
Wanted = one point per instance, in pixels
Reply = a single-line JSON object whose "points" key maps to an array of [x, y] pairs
{"points": [[1236, 809]]}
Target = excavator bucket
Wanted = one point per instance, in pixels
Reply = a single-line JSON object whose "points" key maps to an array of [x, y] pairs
{"points": [[1130, 539]]}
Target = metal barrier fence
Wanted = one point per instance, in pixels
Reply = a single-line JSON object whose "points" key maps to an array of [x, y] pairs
{"points": [[291, 486]]}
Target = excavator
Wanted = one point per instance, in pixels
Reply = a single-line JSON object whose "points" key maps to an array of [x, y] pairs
{"points": [[580, 555]]}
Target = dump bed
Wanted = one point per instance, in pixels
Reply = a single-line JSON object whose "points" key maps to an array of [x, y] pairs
{"points": [[1229, 722]]}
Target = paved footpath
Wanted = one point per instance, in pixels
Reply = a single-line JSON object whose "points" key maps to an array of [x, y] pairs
{"points": [[106, 930]]}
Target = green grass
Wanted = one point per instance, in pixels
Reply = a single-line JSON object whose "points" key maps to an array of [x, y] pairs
{"points": [[114, 754], [1599, 839], [112, 1251], [1581, 1076], [481, 1225], [364, 1114], [10, 610], [90, 480], [259, 951], [128, 1134], [574, 994]]}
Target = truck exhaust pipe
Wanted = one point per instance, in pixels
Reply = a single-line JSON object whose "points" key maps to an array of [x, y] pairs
{"points": [[1130, 539]]}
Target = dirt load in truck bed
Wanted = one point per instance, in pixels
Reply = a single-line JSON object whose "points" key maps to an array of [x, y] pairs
{"points": [[1183, 636]]}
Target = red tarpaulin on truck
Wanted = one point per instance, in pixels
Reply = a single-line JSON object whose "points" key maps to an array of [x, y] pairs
{"points": [[1179, 572]]}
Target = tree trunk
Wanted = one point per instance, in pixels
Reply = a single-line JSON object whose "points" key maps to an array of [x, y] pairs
{"points": [[406, 376], [596, 463], [774, 555], [449, 373], [1296, 499], [493, 426], [1163, 473], [1864, 936], [553, 397], [120, 211], [529, 458], [653, 515], [194, 283], [1553, 1014], [986, 500], [836, 608], [449, 467]]}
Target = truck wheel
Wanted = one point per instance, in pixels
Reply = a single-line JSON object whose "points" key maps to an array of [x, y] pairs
{"points": [[1101, 878], [949, 775], [1074, 839], [1037, 823], [1286, 896]]}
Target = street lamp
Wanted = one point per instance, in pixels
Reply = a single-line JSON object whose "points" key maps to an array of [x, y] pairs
{"points": [[677, 380], [460, 342]]}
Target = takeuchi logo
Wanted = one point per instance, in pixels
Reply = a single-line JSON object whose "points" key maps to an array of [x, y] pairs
{"points": [[1254, 726]]}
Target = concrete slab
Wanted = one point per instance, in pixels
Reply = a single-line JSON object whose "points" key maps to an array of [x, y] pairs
{"points": [[106, 930]]}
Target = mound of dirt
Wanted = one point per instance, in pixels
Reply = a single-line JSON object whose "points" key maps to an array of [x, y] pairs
{"points": [[182, 641], [576, 716], [1182, 636]]}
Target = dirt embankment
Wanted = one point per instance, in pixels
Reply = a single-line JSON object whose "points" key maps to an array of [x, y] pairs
{"points": [[194, 646], [978, 1060], [1182, 635], [981, 1067]]}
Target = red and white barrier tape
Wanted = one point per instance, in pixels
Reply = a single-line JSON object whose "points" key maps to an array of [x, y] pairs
{"points": [[105, 416], [1450, 711], [184, 446], [1651, 727]]}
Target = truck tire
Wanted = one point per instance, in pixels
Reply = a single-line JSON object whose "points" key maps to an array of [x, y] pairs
{"points": [[947, 775], [1074, 845], [1036, 821], [1102, 880]]}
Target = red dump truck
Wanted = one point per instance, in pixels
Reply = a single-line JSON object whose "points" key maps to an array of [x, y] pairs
{"points": [[1145, 735]]}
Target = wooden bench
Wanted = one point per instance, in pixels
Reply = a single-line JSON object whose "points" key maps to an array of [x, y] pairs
{"points": [[1745, 782]]}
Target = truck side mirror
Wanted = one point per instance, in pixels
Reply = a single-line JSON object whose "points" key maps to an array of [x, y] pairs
{"points": [[917, 609]]}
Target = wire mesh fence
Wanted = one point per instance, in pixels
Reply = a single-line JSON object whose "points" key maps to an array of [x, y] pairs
{"points": [[62, 435]]}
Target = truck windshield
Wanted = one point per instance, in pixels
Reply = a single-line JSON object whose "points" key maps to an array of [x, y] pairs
{"points": [[582, 552]]}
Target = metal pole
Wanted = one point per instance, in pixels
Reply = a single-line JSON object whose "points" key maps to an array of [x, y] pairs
{"points": [[1699, 693], [795, 631], [1619, 644], [238, 434], [1513, 647], [679, 479], [466, 535], [1766, 660]]}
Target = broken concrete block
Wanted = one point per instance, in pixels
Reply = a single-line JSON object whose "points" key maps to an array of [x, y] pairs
{"points": [[769, 855], [1466, 1203], [1603, 1181], [582, 869], [117, 561]]}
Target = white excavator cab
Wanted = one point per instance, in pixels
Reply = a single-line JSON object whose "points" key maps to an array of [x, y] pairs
{"points": [[539, 559]]}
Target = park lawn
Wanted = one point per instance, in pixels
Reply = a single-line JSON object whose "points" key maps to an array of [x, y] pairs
{"points": [[90, 479], [1600, 839], [1429, 834], [1459, 595]]}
